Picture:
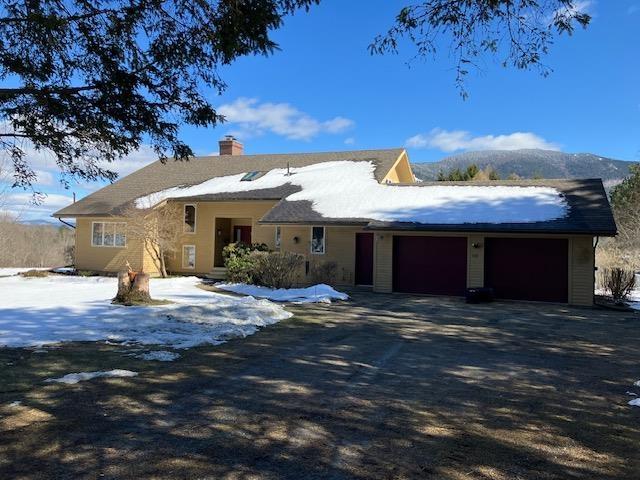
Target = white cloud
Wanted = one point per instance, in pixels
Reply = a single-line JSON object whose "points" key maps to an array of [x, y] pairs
{"points": [[577, 7], [255, 118], [21, 205], [452, 140], [349, 141], [45, 177]]}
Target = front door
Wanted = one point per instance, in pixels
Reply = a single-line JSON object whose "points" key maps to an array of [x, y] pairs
{"points": [[364, 258], [242, 233]]}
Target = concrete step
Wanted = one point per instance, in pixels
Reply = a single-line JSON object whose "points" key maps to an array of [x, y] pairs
{"points": [[217, 273]]}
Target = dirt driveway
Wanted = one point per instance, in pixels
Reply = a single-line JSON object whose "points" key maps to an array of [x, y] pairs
{"points": [[380, 387]]}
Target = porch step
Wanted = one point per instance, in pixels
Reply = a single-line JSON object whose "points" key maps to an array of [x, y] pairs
{"points": [[217, 273]]}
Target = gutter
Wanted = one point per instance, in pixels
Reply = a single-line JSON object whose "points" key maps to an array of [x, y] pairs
{"points": [[67, 224]]}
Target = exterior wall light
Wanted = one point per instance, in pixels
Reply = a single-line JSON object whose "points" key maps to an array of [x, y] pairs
{"points": [[476, 245]]}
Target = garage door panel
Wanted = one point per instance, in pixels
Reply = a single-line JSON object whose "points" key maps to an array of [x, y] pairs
{"points": [[528, 268], [430, 265]]}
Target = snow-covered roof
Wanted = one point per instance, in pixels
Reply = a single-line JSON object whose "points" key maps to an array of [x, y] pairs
{"points": [[349, 190], [157, 176]]}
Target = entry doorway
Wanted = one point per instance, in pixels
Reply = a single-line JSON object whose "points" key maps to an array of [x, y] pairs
{"points": [[242, 233]]}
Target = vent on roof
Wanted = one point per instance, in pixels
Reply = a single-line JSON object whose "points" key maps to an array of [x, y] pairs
{"points": [[248, 177]]}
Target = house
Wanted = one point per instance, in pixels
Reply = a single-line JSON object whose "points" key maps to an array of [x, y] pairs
{"points": [[365, 211]]}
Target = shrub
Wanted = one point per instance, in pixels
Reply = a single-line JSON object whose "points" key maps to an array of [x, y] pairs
{"points": [[275, 269], [35, 273], [617, 282], [239, 262], [324, 272]]}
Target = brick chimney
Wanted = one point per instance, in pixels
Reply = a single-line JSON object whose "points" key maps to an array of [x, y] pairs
{"points": [[230, 146]]}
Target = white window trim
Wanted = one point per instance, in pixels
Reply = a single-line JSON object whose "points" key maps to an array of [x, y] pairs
{"points": [[195, 218], [324, 240], [187, 267], [114, 240], [277, 241]]}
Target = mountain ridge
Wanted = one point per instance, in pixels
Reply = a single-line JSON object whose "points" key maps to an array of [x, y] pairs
{"points": [[530, 163]]}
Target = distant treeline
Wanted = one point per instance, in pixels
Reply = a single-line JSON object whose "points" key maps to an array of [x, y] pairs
{"points": [[24, 245], [475, 174]]}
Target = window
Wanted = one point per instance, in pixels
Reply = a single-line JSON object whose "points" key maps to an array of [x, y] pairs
{"points": [[317, 240], [188, 256], [109, 234], [278, 241], [190, 218], [248, 177]]}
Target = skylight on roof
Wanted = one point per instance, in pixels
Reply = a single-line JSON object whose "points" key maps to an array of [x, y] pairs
{"points": [[248, 177]]}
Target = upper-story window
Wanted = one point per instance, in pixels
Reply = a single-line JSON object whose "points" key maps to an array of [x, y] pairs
{"points": [[317, 240], [108, 234], [190, 218]]}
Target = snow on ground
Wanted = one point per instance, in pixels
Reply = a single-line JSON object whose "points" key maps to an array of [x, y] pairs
{"points": [[317, 293], [7, 272], [159, 355], [635, 402], [72, 378], [40, 311], [349, 190]]}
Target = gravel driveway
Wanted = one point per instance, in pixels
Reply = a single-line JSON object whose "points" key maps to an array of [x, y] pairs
{"points": [[383, 386]]}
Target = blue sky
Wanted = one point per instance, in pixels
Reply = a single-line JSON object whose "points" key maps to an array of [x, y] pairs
{"points": [[323, 91]]}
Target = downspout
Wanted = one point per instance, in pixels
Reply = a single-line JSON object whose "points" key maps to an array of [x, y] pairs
{"points": [[67, 224], [595, 245]]}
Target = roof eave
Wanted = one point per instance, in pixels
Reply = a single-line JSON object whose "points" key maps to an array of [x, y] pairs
{"points": [[490, 229]]}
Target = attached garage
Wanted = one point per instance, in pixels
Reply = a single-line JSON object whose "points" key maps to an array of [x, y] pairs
{"points": [[527, 268], [430, 265]]}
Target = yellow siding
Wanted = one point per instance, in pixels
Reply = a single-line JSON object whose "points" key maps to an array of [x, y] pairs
{"points": [[383, 262], [475, 261], [244, 213], [401, 171], [339, 248], [105, 259], [581, 270]]}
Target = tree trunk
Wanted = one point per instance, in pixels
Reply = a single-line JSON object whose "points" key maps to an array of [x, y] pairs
{"points": [[140, 288], [124, 287], [163, 266], [132, 293]]}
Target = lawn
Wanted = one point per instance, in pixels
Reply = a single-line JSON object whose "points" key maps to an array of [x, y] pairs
{"points": [[381, 386]]}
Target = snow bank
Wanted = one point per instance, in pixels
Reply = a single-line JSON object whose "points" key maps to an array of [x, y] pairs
{"points": [[72, 378], [317, 293], [349, 190], [159, 355], [41, 311]]}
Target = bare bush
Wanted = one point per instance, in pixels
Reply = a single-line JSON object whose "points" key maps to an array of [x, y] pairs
{"points": [[35, 274], [158, 229], [323, 272], [618, 282], [276, 269]]}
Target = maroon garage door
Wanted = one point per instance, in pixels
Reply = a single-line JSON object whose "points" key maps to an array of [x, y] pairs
{"points": [[435, 265], [527, 268]]}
